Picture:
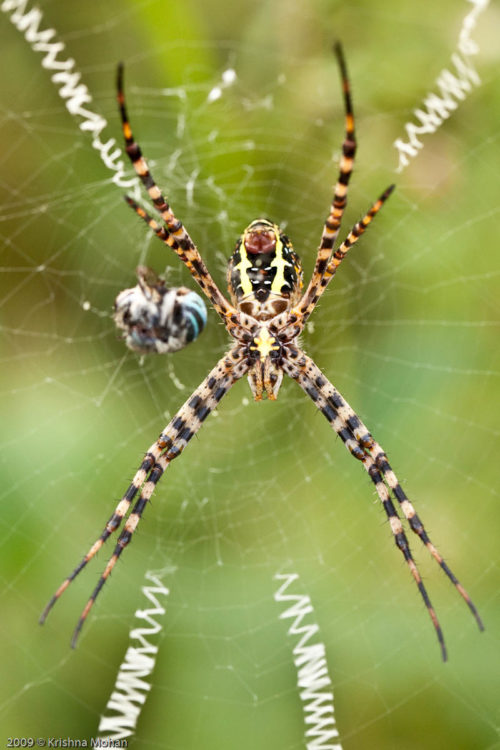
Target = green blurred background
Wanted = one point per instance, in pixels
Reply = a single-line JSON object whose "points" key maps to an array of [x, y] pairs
{"points": [[408, 333]]}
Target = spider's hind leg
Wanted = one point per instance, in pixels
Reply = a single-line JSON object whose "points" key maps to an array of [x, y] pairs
{"points": [[112, 525], [374, 450], [172, 233], [417, 526], [172, 441], [401, 541], [361, 444]]}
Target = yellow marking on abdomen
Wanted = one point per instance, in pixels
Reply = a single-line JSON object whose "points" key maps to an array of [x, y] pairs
{"points": [[243, 267], [279, 264]]}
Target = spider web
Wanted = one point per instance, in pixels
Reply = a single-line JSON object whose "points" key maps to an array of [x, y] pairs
{"points": [[408, 332]]}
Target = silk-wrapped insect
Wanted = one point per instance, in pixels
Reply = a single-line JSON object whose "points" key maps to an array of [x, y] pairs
{"points": [[156, 319]]}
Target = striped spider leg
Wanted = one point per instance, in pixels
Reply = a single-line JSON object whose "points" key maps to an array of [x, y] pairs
{"points": [[328, 260], [332, 224], [171, 232], [362, 446], [170, 444]]}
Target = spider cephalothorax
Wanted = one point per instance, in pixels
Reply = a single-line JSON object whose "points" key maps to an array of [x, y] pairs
{"points": [[267, 315]]}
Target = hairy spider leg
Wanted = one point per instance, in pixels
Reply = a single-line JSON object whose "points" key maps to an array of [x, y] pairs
{"points": [[174, 233], [332, 225], [350, 428], [169, 445]]}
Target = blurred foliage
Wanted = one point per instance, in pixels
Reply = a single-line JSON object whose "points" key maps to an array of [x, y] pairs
{"points": [[409, 335]]}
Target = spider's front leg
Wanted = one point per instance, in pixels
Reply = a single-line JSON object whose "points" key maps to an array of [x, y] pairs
{"points": [[333, 222], [172, 232], [361, 444], [169, 445]]}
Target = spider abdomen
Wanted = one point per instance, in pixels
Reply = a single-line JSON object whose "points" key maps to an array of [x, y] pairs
{"points": [[264, 272]]}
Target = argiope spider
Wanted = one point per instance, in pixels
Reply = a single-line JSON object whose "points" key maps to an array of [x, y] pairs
{"points": [[267, 313]]}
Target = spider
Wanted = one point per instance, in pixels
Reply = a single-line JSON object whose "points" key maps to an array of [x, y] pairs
{"points": [[266, 315]]}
